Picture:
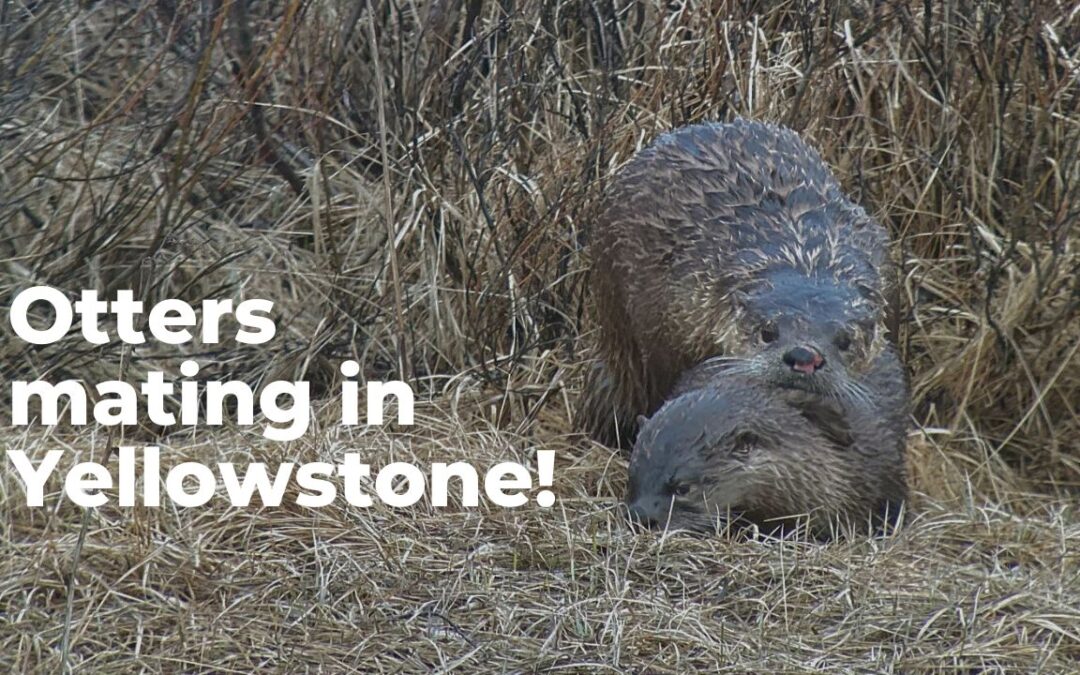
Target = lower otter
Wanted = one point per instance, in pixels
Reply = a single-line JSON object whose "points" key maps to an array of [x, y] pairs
{"points": [[731, 448], [733, 242]]}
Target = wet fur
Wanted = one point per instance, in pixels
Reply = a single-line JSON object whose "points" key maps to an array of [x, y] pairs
{"points": [[711, 233], [807, 457]]}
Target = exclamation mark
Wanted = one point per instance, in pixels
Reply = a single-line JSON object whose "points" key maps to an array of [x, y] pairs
{"points": [[545, 467]]}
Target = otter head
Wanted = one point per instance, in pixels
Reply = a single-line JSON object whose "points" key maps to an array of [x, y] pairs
{"points": [[810, 333], [731, 450]]}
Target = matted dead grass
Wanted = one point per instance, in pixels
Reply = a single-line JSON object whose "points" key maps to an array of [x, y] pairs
{"points": [[969, 583], [411, 185]]}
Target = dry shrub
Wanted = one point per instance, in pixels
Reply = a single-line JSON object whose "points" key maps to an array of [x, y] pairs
{"points": [[194, 150], [419, 202]]}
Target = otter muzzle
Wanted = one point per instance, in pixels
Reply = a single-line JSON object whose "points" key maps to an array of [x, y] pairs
{"points": [[646, 512]]}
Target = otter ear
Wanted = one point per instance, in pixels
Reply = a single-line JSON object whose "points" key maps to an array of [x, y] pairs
{"points": [[641, 420], [827, 417]]}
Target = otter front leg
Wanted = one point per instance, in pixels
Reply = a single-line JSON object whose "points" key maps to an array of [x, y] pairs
{"points": [[606, 412]]}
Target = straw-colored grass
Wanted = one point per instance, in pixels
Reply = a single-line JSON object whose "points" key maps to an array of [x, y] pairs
{"points": [[412, 184]]}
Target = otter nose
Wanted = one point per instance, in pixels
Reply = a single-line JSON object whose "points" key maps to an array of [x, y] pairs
{"points": [[804, 359], [640, 514]]}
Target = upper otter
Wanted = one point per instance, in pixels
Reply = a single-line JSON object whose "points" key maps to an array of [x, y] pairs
{"points": [[768, 456], [734, 241]]}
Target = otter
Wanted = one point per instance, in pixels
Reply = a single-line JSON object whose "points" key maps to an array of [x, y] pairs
{"points": [[733, 245], [725, 447]]}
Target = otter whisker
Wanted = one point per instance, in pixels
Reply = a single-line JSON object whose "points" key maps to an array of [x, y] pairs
{"points": [[722, 358], [708, 370], [854, 392], [718, 364]]}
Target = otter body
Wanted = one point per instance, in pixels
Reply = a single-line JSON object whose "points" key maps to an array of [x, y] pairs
{"points": [[733, 449], [731, 248]]}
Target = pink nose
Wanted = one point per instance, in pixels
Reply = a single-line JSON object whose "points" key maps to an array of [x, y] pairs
{"points": [[804, 360]]}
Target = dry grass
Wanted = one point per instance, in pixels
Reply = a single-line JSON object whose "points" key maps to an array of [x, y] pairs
{"points": [[201, 149]]}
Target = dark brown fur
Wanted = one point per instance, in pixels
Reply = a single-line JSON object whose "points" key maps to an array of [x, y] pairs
{"points": [[732, 244]]}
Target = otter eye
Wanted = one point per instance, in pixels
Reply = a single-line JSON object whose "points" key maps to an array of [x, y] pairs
{"points": [[678, 488], [843, 341], [769, 333], [743, 443]]}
